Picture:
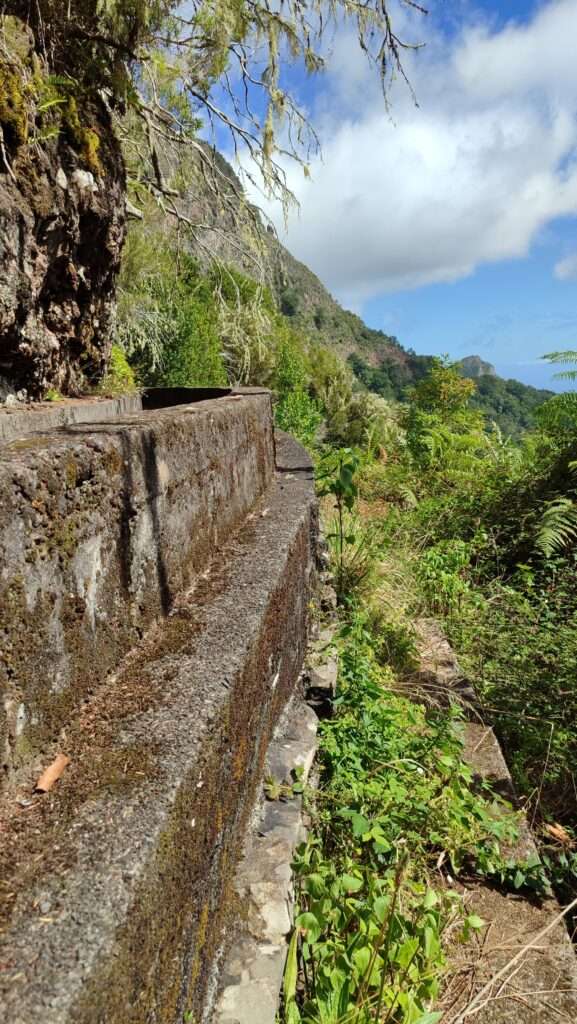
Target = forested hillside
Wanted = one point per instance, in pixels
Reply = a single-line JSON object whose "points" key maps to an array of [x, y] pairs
{"points": [[230, 234]]}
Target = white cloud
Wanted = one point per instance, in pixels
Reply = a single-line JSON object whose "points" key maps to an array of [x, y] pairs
{"points": [[566, 269], [470, 176]]}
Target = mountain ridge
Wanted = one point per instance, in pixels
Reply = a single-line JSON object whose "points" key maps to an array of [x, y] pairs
{"points": [[235, 232]]}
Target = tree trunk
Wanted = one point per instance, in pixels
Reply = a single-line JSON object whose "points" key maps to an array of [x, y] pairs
{"points": [[62, 222]]}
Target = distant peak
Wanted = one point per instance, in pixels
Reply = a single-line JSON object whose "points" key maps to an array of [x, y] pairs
{"points": [[474, 366]]}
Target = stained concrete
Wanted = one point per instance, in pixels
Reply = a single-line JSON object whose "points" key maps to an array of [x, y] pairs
{"points": [[17, 421], [121, 887], [101, 527]]}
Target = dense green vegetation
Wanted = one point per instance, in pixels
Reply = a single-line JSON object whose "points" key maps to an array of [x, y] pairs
{"points": [[396, 799], [434, 514], [485, 537], [494, 519], [180, 324], [394, 795], [509, 404]]}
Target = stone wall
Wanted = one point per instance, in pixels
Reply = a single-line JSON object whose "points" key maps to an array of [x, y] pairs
{"points": [[100, 527], [163, 566]]}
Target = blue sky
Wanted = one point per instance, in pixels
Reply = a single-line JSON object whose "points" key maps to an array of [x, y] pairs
{"points": [[453, 225]]}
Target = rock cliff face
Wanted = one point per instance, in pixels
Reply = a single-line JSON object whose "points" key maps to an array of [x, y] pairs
{"points": [[474, 366], [61, 227]]}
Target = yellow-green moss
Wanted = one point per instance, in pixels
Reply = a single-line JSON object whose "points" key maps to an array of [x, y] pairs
{"points": [[16, 89], [119, 379], [16, 36], [71, 473], [115, 770], [64, 536], [86, 140], [199, 941], [13, 105], [52, 395]]}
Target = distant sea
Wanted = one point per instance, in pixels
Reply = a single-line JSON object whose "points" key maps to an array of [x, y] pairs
{"points": [[539, 374]]}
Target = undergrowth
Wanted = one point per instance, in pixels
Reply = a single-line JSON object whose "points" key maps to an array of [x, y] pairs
{"points": [[398, 816], [488, 546]]}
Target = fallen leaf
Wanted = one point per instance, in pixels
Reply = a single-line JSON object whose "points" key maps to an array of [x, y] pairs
{"points": [[560, 835], [52, 773]]}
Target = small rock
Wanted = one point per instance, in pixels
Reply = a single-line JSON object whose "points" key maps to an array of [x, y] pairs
{"points": [[61, 179], [324, 677], [84, 180]]}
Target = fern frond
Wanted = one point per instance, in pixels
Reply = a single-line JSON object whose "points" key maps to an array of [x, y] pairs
{"points": [[561, 357], [558, 526], [560, 412], [407, 496], [565, 375]]}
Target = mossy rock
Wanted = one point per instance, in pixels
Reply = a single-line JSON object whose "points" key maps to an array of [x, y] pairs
{"points": [[17, 37], [13, 105]]}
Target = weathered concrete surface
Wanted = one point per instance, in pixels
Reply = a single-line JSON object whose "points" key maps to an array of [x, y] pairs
{"points": [[253, 970], [19, 422], [541, 987], [100, 529], [123, 875], [438, 677]]}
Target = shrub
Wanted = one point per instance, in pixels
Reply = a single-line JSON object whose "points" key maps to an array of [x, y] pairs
{"points": [[393, 642], [191, 354], [298, 414], [120, 377], [290, 302]]}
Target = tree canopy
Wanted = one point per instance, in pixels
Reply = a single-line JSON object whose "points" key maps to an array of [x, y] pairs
{"points": [[178, 65]]}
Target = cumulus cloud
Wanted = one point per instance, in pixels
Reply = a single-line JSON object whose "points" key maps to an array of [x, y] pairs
{"points": [[470, 176], [566, 269]]}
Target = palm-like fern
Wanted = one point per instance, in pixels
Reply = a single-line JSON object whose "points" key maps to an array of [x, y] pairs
{"points": [[569, 357], [558, 526], [559, 414]]}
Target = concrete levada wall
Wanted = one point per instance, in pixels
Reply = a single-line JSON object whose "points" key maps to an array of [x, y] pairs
{"points": [[100, 528], [155, 580]]}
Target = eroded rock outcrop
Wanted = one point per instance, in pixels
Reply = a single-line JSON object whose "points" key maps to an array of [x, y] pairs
{"points": [[62, 216]]}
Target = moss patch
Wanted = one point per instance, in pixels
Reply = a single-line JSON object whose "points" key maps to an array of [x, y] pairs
{"points": [[14, 106], [85, 139]]}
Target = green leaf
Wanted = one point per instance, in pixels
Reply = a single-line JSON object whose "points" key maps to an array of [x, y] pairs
{"points": [[351, 883], [407, 952], [360, 824], [475, 922], [290, 980], [310, 925], [362, 959], [380, 908], [430, 900], [315, 885], [431, 943]]}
